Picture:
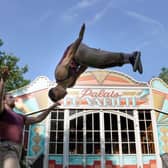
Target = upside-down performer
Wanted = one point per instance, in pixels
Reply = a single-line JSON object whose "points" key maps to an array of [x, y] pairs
{"points": [[78, 57]]}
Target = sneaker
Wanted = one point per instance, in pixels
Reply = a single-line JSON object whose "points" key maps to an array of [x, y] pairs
{"points": [[135, 60], [140, 67]]}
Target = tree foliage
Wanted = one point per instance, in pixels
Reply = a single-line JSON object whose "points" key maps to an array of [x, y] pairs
{"points": [[16, 78], [164, 74]]}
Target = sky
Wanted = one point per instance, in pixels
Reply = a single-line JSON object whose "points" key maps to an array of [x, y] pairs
{"points": [[38, 32]]}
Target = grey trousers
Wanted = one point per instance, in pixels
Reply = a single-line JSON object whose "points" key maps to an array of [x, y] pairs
{"points": [[9, 155], [97, 58], [164, 158]]}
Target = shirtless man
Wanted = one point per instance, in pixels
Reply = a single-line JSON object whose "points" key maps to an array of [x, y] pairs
{"points": [[78, 57]]}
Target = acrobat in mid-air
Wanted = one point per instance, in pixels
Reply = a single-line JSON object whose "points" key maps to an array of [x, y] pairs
{"points": [[78, 57]]}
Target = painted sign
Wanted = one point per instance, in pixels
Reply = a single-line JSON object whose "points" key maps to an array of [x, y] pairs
{"points": [[111, 98]]}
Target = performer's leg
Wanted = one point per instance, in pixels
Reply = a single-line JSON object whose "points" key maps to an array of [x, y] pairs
{"points": [[104, 59]]}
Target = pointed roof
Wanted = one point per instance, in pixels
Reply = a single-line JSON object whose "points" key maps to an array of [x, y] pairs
{"points": [[107, 78]]}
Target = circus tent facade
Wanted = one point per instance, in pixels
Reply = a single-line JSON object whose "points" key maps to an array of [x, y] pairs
{"points": [[108, 119]]}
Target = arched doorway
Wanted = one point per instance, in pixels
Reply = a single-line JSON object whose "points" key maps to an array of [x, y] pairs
{"points": [[102, 138]]}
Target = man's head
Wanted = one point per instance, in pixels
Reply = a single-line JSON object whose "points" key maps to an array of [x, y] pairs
{"points": [[9, 100], [57, 93]]}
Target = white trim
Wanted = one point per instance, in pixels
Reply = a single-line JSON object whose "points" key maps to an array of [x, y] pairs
{"points": [[120, 145], [102, 141], [128, 87], [84, 136], [155, 131], [66, 139], [46, 147], [46, 144], [138, 140], [156, 139]]}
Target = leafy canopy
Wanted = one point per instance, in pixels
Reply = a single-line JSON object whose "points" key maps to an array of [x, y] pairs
{"points": [[16, 78], [164, 74]]}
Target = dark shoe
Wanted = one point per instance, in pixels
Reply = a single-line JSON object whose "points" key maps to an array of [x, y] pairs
{"points": [[140, 67], [135, 60], [132, 61]]}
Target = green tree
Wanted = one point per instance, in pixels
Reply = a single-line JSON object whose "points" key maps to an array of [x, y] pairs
{"points": [[164, 74], [16, 78]]}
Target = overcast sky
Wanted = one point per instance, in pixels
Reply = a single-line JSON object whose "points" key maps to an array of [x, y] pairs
{"points": [[38, 31]]}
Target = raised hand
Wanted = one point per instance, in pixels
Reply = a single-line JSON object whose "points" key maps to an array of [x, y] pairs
{"points": [[82, 32], [4, 72]]}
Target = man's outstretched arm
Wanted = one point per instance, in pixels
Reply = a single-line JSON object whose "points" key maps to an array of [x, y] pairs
{"points": [[40, 117]]}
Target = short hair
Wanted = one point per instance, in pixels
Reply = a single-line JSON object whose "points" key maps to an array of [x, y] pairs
{"points": [[57, 93], [4, 95]]}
